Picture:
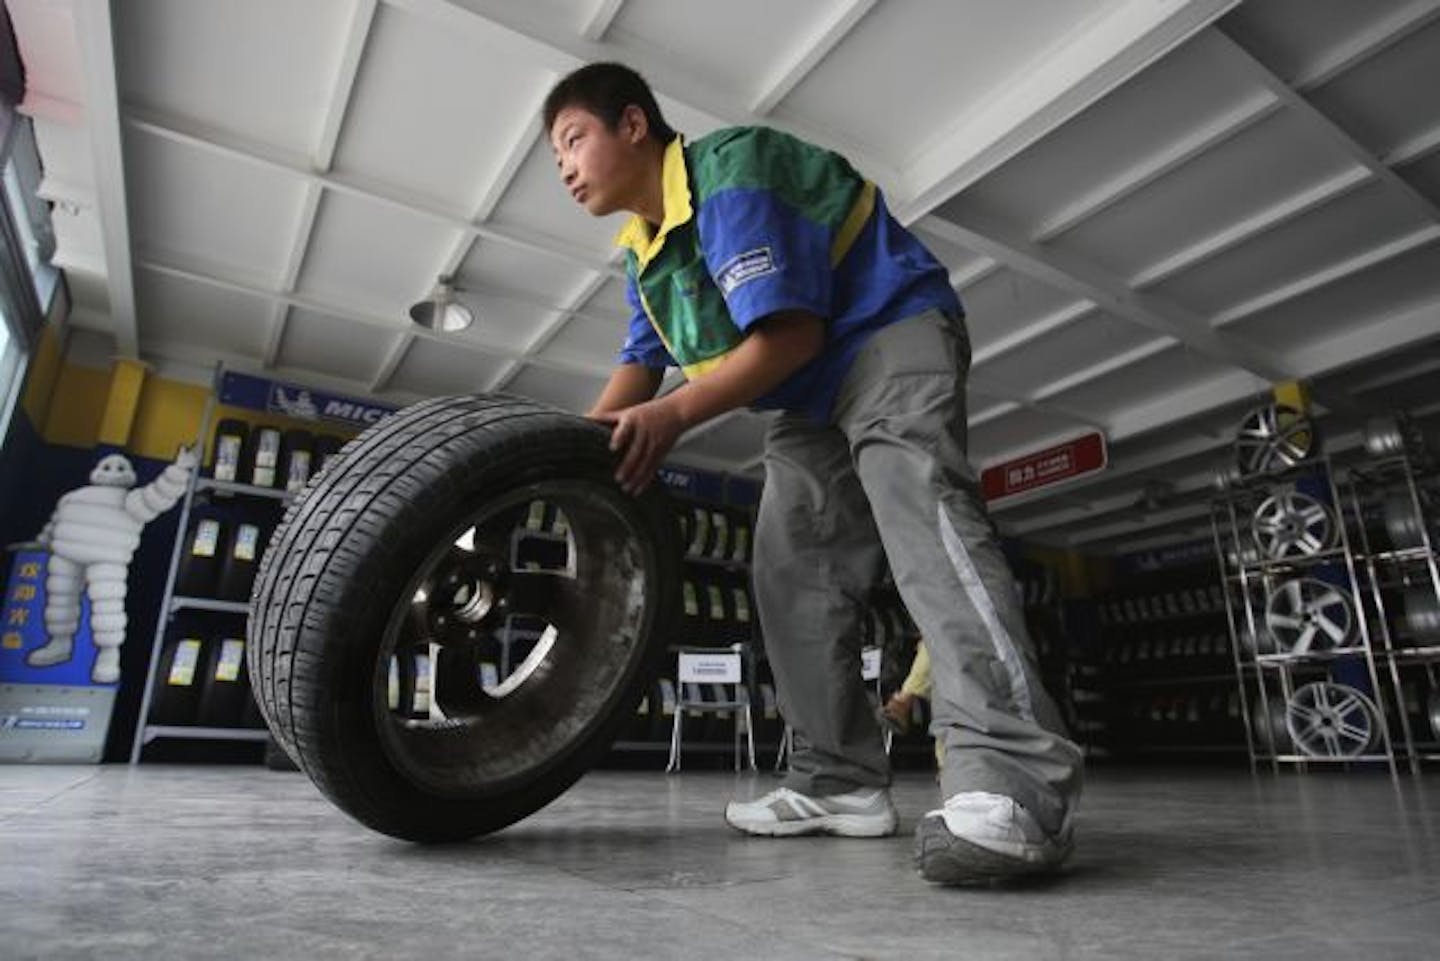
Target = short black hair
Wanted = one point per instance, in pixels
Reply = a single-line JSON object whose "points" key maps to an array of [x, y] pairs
{"points": [[606, 89]]}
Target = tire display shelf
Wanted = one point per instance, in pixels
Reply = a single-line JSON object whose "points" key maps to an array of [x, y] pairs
{"points": [[1158, 679], [174, 601], [1310, 598]]}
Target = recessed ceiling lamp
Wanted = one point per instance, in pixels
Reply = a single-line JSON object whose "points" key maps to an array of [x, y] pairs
{"points": [[440, 311]]}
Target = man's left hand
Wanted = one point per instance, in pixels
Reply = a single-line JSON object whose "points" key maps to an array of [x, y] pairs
{"points": [[642, 435]]}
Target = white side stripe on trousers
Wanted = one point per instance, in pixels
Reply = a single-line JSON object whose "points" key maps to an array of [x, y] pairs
{"points": [[980, 598]]}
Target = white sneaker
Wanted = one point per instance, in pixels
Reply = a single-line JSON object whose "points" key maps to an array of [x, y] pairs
{"points": [[866, 813], [980, 837]]}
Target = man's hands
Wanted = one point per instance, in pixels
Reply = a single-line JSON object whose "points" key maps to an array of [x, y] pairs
{"points": [[643, 434], [645, 430]]}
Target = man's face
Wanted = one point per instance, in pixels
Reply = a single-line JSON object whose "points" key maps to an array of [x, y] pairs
{"points": [[597, 165]]}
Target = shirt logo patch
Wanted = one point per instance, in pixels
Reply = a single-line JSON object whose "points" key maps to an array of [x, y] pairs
{"points": [[743, 268]]}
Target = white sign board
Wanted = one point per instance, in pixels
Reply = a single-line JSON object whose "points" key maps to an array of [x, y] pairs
{"points": [[720, 667]]}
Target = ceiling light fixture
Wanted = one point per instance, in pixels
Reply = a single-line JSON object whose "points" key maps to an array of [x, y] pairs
{"points": [[440, 311]]}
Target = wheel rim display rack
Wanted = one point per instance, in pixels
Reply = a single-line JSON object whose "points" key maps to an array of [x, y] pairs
{"points": [[1399, 562], [1310, 595]]}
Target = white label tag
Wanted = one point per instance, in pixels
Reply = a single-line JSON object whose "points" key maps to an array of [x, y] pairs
{"points": [[227, 458], [870, 663], [207, 539], [717, 668], [717, 602], [299, 471], [247, 538], [182, 668], [232, 655]]}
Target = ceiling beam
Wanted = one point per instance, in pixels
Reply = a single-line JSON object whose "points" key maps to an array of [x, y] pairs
{"points": [[222, 144], [1127, 38], [1032, 331], [1418, 147], [1068, 271], [1245, 64], [520, 146], [1268, 218], [357, 33], [534, 32], [1329, 275], [600, 19], [1163, 162], [809, 53], [973, 273], [94, 36], [1361, 46], [551, 329], [378, 321]]}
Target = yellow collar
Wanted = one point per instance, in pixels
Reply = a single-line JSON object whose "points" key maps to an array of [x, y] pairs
{"points": [[675, 188]]}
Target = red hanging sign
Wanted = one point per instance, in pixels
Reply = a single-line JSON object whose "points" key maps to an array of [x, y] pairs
{"points": [[1083, 455]]}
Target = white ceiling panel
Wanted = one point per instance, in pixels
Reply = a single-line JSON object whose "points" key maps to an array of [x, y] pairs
{"points": [[1424, 176], [1292, 35], [1076, 346], [573, 392], [738, 45], [1139, 124], [1004, 301], [1278, 158], [538, 202], [1405, 283], [262, 69], [1018, 433], [172, 309], [371, 254], [505, 322], [1142, 384], [500, 268], [331, 345], [1388, 100], [432, 368], [455, 144], [591, 340], [1356, 222], [178, 195], [893, 88]]}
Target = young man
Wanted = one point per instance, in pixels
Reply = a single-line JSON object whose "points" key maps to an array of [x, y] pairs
{"points": [[773, 275]]}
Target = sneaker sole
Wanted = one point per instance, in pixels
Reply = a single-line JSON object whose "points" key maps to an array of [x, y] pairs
{"points": [[944, 858], [840, 825]]}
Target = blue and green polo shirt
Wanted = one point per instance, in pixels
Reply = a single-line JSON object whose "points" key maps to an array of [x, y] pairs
{"points": [[757, 221]]}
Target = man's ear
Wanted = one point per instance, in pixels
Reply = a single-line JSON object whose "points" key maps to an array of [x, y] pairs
{"points": [[634, 124]]}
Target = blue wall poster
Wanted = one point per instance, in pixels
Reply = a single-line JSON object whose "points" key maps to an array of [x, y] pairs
{"points": [[55, 712]]}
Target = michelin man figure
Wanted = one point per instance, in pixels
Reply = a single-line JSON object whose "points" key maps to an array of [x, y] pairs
{"points": [[91, 537]]}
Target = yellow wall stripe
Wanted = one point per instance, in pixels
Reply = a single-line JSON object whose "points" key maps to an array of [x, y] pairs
{"points": [[127, 379]]}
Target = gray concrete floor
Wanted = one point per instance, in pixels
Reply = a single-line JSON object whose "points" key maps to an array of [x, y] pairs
{"points": [[195, 862]]}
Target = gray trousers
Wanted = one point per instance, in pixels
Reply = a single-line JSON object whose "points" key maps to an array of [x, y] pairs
{"points": [[888, 479]]}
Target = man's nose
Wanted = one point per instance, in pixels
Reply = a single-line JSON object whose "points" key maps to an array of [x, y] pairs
{"points": [[567, 173]]}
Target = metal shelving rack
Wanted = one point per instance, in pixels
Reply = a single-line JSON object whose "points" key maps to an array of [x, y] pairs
{"points": [[1355, 567], [171, 602], [1402, 482]]}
